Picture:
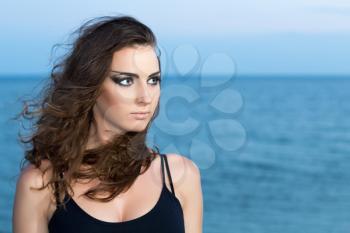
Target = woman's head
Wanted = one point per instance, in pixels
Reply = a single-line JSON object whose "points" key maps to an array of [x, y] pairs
{"points": [[111, 71], [131, 85], [116, 44]]}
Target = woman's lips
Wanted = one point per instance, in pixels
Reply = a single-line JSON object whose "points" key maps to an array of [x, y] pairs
{"points": [[140, 116]]}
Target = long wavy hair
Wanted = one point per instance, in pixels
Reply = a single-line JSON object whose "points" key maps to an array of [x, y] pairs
{"points": [[62, 115]]}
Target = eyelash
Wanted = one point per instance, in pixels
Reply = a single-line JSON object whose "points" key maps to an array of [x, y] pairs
{"points": [[119, 80]]}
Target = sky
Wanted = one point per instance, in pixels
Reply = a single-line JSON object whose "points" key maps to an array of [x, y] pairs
{"points": [[246, 37]]}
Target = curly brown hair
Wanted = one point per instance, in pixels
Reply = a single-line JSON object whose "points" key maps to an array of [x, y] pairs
{"points": [[62, 114]]}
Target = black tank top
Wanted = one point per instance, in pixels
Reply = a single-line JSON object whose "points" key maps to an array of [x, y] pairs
{"points": [[166, 216]]}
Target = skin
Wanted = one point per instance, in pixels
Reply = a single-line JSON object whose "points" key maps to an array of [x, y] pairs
{"points": [[121, 97], [33, 209]]}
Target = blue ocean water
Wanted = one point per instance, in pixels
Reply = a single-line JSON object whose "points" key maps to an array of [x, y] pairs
{"points": [[288, 172]]}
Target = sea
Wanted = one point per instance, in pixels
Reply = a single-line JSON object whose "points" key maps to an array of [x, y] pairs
{"points": [[273, 151]]}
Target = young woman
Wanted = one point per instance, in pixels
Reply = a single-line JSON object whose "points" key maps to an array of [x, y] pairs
{"points": [[88, 168]]}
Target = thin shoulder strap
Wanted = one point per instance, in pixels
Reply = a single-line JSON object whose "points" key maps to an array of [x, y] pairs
{"points": [[163, 156]]}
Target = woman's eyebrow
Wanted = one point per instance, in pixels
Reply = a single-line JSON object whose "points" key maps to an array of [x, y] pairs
{"points": [[133, 74]]}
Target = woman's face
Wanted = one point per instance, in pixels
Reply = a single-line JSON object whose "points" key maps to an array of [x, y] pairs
{"points": [[131, 86]]}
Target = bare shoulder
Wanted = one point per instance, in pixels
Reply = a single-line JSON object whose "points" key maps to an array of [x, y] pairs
{"points": [[28, 197], [188, 188], [183, 166], [185, 175], [32, 176]]}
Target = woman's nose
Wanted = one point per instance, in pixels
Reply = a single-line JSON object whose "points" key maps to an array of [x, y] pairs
{"points": [[144, 94]]}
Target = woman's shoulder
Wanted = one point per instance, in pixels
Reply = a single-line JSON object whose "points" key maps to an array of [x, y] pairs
{"points": [[34, 176], [182, 165], [31, 173], [29, 201], [187, 185], [185, 175]]}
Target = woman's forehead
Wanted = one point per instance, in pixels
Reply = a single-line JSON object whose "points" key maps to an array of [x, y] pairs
{"points": [[136, 59]]}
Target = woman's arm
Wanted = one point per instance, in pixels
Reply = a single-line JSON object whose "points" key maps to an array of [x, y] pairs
{"points": [[187, 184], [193, 206], [30, 206]]}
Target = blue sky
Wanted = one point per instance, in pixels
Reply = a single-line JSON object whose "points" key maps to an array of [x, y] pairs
{"points": [[260, 37]]}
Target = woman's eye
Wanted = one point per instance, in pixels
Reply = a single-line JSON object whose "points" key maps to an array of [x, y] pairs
{"points": [[122, 81], [156, 80]]}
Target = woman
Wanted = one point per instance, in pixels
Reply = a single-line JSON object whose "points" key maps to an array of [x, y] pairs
{"points": [[89, 169]]}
